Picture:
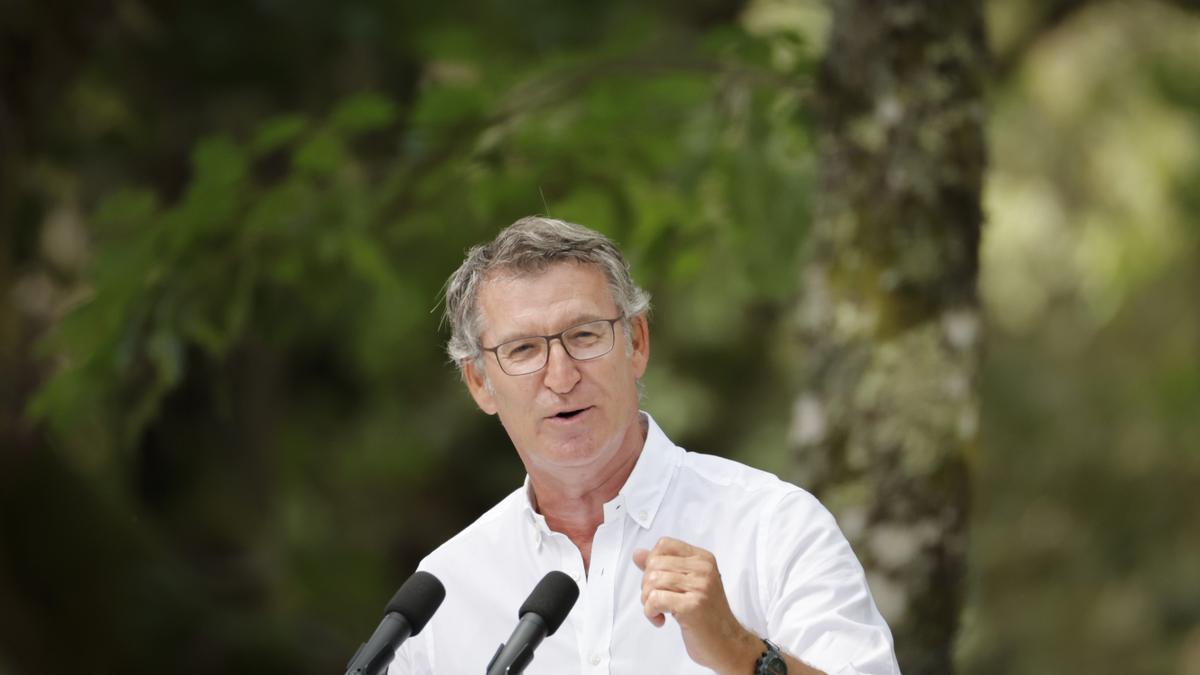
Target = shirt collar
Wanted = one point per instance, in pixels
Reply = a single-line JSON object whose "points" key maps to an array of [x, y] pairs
{"points": [[536, 519], [646, 486], [643, 491]]}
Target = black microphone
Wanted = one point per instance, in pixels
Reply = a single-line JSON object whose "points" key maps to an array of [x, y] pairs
{"points": [[543, 612], [407, 613]]}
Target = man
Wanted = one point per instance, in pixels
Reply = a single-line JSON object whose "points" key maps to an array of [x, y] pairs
{"points": [[686, 563]]}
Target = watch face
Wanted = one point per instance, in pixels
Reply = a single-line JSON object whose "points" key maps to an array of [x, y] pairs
{"points": [[773, 665], [771, 662]]}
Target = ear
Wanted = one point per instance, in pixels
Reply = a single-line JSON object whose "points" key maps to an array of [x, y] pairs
{"points": [[640, 334], [476, 381]]}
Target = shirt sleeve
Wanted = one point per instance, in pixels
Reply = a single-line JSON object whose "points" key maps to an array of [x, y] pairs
{"points": [[815, 592]]}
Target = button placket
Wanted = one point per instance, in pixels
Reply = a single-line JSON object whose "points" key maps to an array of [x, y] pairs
{"points": [[606, 548]]}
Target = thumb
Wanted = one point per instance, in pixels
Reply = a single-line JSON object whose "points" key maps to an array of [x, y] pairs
{"points": [[639, 558]]}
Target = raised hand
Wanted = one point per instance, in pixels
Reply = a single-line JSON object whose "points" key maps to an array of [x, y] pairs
{"points": [[683, 580]]}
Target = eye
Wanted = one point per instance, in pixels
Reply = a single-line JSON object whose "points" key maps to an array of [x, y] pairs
{"points": [[592, 332], [521, 349], [583, 336]]}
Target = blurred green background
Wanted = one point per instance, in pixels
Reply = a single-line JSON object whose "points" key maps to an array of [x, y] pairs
{"points": [[228, 429]]}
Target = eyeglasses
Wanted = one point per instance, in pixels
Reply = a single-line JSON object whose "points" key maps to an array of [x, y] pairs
{"points": [[584, 342]]}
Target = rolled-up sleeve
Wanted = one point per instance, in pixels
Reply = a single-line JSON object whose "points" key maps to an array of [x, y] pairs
{"points": [[815, 592]]}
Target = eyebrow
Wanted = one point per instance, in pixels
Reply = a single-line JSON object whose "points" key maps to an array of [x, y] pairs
{"points": [[587, 317]]}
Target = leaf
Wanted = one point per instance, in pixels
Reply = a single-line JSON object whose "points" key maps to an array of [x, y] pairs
{"points": [[219, 180], [277, 132], [321, 154], [218, 161], [362, 113]]}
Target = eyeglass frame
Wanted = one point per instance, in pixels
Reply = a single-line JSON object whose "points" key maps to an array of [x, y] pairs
{"points": [[612, 326]]}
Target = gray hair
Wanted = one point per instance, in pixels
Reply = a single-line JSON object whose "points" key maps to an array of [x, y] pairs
{"points": [[530, 246]]}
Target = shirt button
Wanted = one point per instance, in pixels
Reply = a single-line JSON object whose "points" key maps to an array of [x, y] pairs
{"points": [[595, 659], [642, 515]]}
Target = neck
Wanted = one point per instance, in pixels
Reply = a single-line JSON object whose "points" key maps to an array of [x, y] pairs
{"points": [[574, 505]]}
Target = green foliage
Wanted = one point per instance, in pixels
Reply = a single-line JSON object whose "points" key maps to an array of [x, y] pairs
{"points": [[362, 113], [257, 368], [245, 432]]}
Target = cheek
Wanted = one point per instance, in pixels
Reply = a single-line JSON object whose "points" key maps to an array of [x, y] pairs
{"points": [[516, 425], [514, 407]]}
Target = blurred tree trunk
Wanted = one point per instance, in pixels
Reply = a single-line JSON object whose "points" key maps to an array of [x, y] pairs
{"points": [[889, 319]]}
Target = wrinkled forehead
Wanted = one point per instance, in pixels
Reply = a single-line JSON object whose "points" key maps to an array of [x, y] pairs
{"points": [[519, 300]]}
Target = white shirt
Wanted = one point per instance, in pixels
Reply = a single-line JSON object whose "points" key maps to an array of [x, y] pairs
{"points": [[788, 572]]}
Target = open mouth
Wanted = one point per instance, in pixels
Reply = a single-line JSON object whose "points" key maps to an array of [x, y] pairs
{"points": [[568, 414]]}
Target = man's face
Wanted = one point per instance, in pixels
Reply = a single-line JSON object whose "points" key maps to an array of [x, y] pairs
{"points": [[570, 415]]}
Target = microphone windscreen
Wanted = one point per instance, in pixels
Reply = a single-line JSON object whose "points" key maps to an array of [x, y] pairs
{"points": [[417, 600], [552, 599]]}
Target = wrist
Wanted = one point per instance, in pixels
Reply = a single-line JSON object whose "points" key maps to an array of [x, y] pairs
{"points": [[742, 654]]}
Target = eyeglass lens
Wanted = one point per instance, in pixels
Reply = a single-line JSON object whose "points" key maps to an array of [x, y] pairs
{"points": [[526, 355]]}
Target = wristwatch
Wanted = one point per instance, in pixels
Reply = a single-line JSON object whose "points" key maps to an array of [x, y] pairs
{"points": [[771, 662]]}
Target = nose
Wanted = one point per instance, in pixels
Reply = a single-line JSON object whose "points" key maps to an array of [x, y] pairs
{"points": [[562, 373]]}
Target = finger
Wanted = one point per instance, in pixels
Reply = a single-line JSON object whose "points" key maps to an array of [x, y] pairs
{"points": [[668, 581], [666, 546], [681, 565], [658, 603], [696, 589], [672, 546]]}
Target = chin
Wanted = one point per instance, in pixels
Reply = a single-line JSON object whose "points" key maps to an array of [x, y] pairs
{"points": [[579, 451], [573, 455]]}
